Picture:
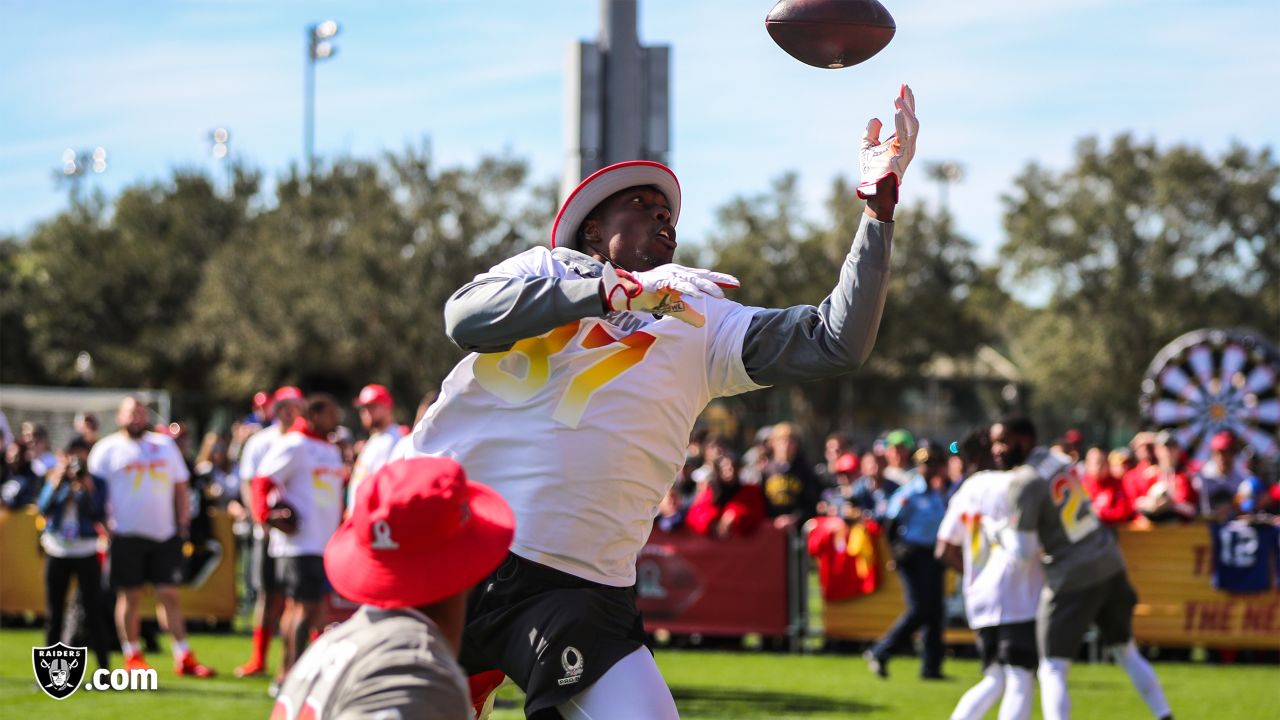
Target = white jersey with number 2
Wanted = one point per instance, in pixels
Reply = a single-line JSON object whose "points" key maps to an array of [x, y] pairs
{"points": [[582, 429]]}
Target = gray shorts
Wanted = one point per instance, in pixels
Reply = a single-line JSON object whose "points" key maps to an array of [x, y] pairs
{"points": [[1064, 617]]}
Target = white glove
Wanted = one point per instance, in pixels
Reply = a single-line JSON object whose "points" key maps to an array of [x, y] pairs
{"points": [[662, 290], [878, 160]]}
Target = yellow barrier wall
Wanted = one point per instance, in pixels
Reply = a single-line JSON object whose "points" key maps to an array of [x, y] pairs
{"points": [[22, 572], [1177, 606]]}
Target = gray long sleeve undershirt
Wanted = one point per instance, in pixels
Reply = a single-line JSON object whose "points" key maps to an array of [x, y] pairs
{"points": [[785, 344]]}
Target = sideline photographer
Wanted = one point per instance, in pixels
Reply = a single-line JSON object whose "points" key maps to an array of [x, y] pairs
{"points": [[73, 504]]}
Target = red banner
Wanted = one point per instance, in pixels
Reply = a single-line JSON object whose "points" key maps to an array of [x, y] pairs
{"points": [[687, 583]]}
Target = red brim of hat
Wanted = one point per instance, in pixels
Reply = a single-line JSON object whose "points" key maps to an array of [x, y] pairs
{"points": [[411, 579]]}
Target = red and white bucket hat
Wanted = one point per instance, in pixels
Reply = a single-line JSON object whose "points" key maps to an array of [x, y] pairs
{"points": [[604, 182], [419, 532]]}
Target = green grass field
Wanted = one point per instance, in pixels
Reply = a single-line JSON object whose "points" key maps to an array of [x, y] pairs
{"points": [[705, 684]]}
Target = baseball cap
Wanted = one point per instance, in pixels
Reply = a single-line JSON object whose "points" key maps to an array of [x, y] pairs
{"points": [[374, 395], [286, 393], [847, 463], [419, 532], [602, 183], [900, 437], [1222, 442]]}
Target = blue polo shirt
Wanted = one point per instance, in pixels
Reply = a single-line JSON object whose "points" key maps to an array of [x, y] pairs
{"points": [[917, 512]]}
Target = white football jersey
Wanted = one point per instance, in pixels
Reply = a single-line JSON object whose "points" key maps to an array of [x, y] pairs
{"points": [[140, 476], [309, 473], [255, 448], [998, 589], [377, 452], [582, 429]]}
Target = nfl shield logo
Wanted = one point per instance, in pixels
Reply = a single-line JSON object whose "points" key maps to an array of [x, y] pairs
{"points": [[59, 669]]}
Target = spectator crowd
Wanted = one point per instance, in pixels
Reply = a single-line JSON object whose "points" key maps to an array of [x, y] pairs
{"points": [[129, 509]]}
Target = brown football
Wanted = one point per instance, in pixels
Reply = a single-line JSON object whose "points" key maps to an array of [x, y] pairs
{"points": [[830, 33], [283, 517]]}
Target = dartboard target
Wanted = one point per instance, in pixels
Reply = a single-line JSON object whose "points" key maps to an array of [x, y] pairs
{"points": [[1212, 380]]}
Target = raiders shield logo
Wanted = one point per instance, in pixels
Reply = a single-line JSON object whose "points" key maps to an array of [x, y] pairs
{"points": [[59, 669]]}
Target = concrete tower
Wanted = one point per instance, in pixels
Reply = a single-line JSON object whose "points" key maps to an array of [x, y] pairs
{"points": [[618, 97]]}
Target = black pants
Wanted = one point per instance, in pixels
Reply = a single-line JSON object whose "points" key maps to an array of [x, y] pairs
{"points": [[921, 575], [57, 578]]}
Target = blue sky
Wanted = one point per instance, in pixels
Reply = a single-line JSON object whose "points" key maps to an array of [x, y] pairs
{"points": [[998, 84]]}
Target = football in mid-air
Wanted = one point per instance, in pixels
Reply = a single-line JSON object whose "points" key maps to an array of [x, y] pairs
{"points": [[830, 33]]}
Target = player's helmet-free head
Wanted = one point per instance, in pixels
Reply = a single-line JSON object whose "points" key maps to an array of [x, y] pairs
{"points": [[605, 182]]}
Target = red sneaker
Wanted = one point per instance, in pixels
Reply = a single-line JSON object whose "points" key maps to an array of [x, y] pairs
{"points": [[136, 662], [253, 668], [188, 666]]}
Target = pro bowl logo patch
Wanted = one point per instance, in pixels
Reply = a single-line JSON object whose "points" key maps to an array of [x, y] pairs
{"points": [[59, 669], [572, 661]]}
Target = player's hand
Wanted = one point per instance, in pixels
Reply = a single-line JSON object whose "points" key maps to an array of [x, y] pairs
{"points": [[662, 290], [879, 159]]}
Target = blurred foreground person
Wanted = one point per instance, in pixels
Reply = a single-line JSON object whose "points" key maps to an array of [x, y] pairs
{"points": [[420, 535]]}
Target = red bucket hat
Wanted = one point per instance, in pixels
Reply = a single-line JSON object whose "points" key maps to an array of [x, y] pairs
{"points": [[419, 532], [604, 182]]}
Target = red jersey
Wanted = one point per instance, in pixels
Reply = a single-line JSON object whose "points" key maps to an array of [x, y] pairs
{"points": [[1110, 501], [743, 511], [848, 564]]}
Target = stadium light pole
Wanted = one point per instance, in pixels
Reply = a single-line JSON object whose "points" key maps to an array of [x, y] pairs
{"points": [[319, 47], [78, 163], [220, 149], [944, 173]]}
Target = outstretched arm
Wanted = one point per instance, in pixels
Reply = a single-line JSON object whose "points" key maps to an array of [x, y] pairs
{"points": [[806, 342], [491, 314]]}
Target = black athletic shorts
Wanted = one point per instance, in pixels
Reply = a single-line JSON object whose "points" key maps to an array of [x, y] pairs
{"points": [[1013, 644], [262, 567], [138, 561], [552, 633], [1064, 617], [302, 577]]}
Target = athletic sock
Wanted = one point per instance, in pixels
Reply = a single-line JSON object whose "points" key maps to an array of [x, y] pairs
{"points": [[179, 649], [980, 698], [1055, 703], [261, 644], [1019, 691], [1143, 677], [128, 649]]}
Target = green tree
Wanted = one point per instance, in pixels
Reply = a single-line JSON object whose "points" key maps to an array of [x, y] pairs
{"points": [[784, 259], [1134, 246], [115, 280], [344, 282], [17, 363]]}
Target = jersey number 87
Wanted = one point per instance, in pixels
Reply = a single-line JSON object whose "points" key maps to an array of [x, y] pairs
{"points": [[497, 372]]}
